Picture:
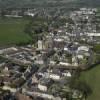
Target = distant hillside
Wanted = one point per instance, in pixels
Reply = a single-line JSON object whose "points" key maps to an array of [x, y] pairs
{"points": [[89, 3], [14, 3], [32, 3], [50, 3]]}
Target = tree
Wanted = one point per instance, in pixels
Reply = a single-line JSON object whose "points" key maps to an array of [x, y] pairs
{"points": [[3, 12], [81, 86], [55, 88], [84, 88], [37, 26]]}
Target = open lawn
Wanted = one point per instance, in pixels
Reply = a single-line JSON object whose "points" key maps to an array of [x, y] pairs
{"points": [[97, 48], [92, 77], [12, 31]]}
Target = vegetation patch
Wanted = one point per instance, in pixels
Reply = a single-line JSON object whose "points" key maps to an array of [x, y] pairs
{"points": [[97, 48], [12, 31], [92, 78]]}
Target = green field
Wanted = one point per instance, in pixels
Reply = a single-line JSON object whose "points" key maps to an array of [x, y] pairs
{"points": [[12, 31], [92, 77]]}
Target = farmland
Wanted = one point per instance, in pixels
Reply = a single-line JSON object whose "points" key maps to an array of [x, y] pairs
{"points": [[92, 78], [12, 31]]}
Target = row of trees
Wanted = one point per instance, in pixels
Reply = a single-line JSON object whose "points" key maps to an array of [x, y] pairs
{"points": [[82, 86], [41, 25], [36, 27]]}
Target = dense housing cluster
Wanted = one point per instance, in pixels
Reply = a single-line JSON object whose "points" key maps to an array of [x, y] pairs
{"points": [[44, 70]]}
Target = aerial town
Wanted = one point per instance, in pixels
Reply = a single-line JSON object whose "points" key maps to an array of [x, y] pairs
{"points": [[48, 68]]}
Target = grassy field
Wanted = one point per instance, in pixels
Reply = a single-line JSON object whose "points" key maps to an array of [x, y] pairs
{"points": [[12, 31], [92, 77]]}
